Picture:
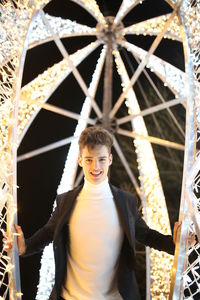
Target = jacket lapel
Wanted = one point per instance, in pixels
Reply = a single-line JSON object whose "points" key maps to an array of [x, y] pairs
{"points": [[120, 202], [68, 205]]}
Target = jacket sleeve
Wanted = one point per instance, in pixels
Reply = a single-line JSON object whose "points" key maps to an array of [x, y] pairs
{"points": [[150, 237], [43, 236]]}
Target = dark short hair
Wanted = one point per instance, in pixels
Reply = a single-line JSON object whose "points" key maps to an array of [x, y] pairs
{"points": [[93, 136]]}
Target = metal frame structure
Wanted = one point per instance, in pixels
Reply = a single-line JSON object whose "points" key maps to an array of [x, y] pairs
{"points": [[24, 26]]}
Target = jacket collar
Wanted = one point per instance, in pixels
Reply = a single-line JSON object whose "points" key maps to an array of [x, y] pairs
{"points": [[122, 208], [69, 200]]}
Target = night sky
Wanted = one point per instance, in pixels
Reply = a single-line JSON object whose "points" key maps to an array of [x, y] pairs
{"points": [[39, 177]]}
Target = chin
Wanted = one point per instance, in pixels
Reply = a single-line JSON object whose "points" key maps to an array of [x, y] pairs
{"points": [[96, 180]]}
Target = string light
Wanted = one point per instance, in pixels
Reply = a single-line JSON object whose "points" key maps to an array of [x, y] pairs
{"points": [[14, 21], [93, 9], [190, 288], [172, 77], [156, 213], [125, 8], [40, 89], [15, 18], [62, 27], [154, 26]]}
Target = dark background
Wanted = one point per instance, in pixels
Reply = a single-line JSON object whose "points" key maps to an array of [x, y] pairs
{"points": [[39, 177]]}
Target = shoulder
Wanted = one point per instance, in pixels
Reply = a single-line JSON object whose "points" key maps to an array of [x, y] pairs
{"points": [[124, 195], [69, 194]]}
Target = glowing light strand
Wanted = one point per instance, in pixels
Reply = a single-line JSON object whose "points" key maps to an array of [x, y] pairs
{"points": [[156, 211], [187, 265], [125, 7], [9, 59], [41, 88], [171, 76], [154, 26], [14, 22], [92, 7], [62, 27]]}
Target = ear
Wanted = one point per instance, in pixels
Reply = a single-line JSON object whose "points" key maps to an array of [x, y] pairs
{"points": [[110, 159], [80, 160]]}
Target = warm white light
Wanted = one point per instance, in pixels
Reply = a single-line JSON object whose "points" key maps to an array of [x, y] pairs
{"points": [[154, 26], [155, 213], [63, 28], [41, 88], [15, 17], [173, 77]]}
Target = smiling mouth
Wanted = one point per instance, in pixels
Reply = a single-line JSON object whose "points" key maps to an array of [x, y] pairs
{"points": [[95, 174]]}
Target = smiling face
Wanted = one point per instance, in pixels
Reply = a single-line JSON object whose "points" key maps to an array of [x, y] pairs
{"points": [[95, 163]]}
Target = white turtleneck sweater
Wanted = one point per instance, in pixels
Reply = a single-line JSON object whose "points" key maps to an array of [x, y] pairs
{"points": [[95, 242]]}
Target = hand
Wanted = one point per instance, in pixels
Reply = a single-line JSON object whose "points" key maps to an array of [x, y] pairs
{"points": [[8, 244], [190, 238], [20, 240]]}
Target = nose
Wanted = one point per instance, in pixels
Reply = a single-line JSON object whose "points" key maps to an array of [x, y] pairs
{"points": [[95, 164]]}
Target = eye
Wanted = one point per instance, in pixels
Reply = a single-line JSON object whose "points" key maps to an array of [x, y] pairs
{"points": [[102, 160], [88, 160]]}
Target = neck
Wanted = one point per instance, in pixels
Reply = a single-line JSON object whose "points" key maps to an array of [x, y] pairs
{"points": [[96, 185], [96, 191]]}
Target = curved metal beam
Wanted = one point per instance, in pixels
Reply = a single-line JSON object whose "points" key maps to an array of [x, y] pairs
{"points": [[142, 64]]}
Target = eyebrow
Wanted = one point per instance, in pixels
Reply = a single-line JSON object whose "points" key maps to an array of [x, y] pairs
{"points": [[104, 156]]}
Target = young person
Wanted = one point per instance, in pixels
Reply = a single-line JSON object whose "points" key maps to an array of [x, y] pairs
{"points": [[93, 229]]}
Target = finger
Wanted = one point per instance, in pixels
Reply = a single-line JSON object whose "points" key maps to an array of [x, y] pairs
{"points": [[177, 224], [191, 239], [18, 230], [176, 231], [177, 227], [17, 227]]}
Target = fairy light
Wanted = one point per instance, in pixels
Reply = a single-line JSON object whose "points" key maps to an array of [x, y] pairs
{"points": [[92, 7], [190, 15], [154, 26], [14, 24], [67, 181], [156, 213], [40, 89], [62, 27], [125, 8], [14, 21], [173, 77], [189, 278]]}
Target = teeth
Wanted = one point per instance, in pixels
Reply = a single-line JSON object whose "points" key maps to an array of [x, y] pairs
{"points": [[95, 174]]}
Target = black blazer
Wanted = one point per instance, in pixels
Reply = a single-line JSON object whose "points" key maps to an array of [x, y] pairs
{"points": [[134, 227]]}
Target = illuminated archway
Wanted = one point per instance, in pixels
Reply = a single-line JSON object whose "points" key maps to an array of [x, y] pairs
{"points": [[19, 107]]}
